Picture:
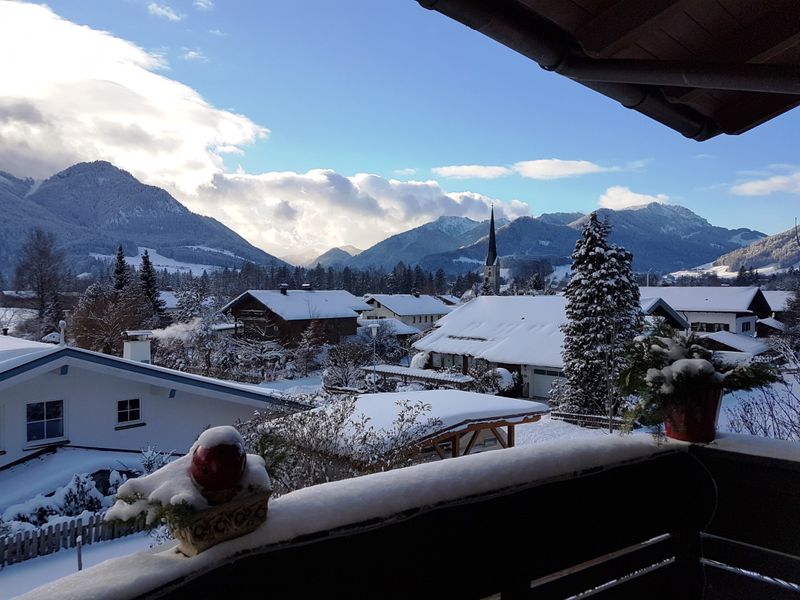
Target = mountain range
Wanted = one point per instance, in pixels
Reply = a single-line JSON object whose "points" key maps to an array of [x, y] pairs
{"points": [[779, 251], [94, 207]]}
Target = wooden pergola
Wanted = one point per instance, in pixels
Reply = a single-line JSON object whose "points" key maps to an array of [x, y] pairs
{"points": [[466, 434], [699, 67]]}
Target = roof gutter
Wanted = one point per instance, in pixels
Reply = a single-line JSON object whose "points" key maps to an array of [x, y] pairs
{"points": [[522, 30]]}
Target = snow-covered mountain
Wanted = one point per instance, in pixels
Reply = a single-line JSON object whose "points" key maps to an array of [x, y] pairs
{"points": [[94, 207], [445, 234], [662, 237], [779, 251], [335, 257]]}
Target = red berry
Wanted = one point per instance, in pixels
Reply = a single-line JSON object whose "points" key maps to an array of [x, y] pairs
{"points": [[218, 467]]}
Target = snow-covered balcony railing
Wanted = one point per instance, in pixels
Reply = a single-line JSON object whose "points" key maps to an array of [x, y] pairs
{"points": [[624, 516]]}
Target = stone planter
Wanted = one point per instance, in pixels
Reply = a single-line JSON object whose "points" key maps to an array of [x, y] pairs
{"points": [[695, 420], [220, 523]]}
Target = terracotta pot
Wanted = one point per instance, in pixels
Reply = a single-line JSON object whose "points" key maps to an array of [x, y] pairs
{"points": [[696, 420]]}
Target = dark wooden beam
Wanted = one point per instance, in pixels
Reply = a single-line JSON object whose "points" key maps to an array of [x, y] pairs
{"points": [[620, 25], [471, 442], [499, 437], [511, 436]]}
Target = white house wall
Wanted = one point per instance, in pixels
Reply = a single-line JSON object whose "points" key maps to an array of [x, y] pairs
{"points": [[90, 413], [735, 323]]}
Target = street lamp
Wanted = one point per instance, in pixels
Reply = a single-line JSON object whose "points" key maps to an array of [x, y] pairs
{"points": [[373, 331]]}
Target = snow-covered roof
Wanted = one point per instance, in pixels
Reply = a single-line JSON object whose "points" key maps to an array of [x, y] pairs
{"points": [[407, 305], [429, 374], [774, 323], [396, 326], [449, 298], [654, 305], [301, 305], [519, 330], [705, 299], [778, 300], [454, 409], [13, 347], [740, 343], [22, 365], [170, 300]]}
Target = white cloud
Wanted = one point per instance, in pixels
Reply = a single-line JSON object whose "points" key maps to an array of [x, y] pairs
{"points": [[471, 172], [405, 172], [620, 197], [73, 93], [217, 32], [555, 168], [283, 211], [193, 54], [789, 184], [550, 168], [203, 4], [92, 96], [164, 12]]}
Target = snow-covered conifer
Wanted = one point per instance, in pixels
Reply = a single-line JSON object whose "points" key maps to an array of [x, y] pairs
{"points": [[122, 276], [148, 281], [603, 313]]}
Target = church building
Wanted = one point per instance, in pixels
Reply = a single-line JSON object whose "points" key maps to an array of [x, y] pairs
{"points": [[491, 272]]}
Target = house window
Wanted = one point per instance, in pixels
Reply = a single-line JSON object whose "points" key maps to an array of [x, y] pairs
{"points": [[128, 410], [746, 326], [45, 420]]}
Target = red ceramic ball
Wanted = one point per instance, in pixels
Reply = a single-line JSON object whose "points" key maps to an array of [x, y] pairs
{"points": [[218, 467]]}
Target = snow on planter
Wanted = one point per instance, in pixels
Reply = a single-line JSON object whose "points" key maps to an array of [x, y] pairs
{"points": [[215, 492]]}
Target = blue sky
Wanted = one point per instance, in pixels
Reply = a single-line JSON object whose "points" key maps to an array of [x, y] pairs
{"points": [[384, 87]]}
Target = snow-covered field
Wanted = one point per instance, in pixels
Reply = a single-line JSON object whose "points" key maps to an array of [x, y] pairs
{"points": [[161, 262], [724, 272], [22, 577]]}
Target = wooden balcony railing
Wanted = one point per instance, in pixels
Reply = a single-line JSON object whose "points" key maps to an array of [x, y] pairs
{"points": [[672, 522]]}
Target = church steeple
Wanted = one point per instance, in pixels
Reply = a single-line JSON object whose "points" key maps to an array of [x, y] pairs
{"points": [[491, 271], [491, 257]]}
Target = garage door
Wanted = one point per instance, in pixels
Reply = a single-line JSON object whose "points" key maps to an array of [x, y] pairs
{"points": [[543, 380]]}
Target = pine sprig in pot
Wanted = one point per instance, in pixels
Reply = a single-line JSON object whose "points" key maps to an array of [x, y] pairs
{"points": [[671, 373]]}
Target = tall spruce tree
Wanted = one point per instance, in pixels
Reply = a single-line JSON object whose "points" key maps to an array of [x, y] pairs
{"points": [[603, 313], [122, 276], [148, 281]]}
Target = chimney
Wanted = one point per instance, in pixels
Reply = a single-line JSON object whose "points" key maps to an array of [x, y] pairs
{"points": [[136, 346], [62, 335], [284, 287], [415, 292]]}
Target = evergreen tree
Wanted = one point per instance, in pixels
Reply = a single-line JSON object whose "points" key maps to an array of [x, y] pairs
{"points": [[40, 268], [149, 284], [122, 276], [193, 299], [603, 313]]}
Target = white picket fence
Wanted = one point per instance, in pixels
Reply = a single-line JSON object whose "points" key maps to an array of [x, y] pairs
{"points": [[30, 544]]}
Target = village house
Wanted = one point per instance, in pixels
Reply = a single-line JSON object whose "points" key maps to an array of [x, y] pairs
{"points": [[710, 309], [417, 310], [778, 303], [55, 395], [284, 314], [519, 333]]}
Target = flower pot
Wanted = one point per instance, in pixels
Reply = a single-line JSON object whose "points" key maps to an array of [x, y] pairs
{"points": [[696, 419], [217, 524]]}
